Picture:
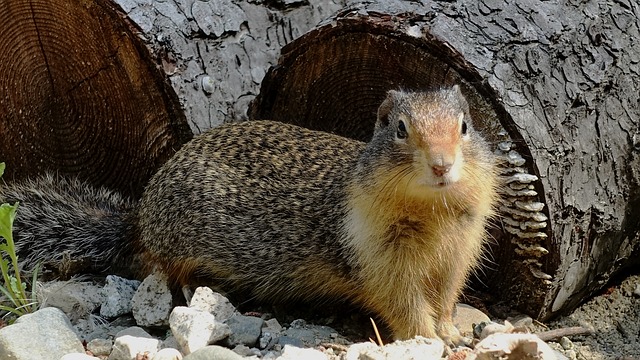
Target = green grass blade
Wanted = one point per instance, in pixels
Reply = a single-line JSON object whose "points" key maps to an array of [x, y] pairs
{"points": [[34, 282], [9, 295], [11, 310]]}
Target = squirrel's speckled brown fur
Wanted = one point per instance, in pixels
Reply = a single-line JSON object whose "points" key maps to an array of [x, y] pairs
{"points": [[286, 213]]}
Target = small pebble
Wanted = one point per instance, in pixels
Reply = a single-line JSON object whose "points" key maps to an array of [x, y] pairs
{"points": [[566, 343], [100, 347], [521, 321], [571, 354]]}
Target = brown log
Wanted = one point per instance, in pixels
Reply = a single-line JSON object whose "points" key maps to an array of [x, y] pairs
{"points": [[81, 95], [553, 86]]}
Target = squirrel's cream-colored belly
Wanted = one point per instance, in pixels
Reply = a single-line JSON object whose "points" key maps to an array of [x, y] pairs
{"points": [[413, 254]]}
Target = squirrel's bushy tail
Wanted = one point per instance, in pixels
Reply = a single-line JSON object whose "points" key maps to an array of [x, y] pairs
{"points": [[69, 226]]}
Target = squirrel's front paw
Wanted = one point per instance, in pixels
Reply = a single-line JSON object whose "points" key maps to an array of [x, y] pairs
{"points": [[451, 335]]}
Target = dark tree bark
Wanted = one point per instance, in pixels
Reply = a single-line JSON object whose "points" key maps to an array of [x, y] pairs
{"points": [[554, 86], [80, 95], [216, 53]]}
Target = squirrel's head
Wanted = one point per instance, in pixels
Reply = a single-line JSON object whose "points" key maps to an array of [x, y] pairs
{"points": [[428, 130]]}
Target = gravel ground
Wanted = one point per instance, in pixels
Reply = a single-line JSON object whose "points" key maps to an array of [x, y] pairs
{"points": [[615, 318]]}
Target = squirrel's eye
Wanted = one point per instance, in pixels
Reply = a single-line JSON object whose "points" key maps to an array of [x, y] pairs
{"points": [[402, 130], [464, 128]]}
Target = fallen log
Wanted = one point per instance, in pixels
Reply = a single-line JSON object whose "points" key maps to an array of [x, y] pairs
{"points": [[554, 86], [81, 95]]}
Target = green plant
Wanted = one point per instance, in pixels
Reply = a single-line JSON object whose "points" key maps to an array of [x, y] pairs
{"points": [[13, 289]]}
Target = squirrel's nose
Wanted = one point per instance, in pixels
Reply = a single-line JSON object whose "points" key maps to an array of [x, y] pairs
{"points": [[440, 170]]}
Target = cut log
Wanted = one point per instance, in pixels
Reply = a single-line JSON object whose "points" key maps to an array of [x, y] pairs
{"points": [[81, 95], [554, 86]]}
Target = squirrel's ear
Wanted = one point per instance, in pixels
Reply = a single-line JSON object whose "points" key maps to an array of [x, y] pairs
{"points": [[459, 95], [385, 109]]}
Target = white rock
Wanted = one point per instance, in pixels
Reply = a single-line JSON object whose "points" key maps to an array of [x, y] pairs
{"points": [[167, 354], [294, 353], [512, 346], [78, 356], [129, 347], [76, 299], [494, 328], [212, 302], [195, 329], [45, 334], [151, 304], [414, 349], [118, 293]]}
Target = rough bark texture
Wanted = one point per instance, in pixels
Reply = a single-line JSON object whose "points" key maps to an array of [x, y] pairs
{"points": [[217, 52], [80, 95], [561, 79]]}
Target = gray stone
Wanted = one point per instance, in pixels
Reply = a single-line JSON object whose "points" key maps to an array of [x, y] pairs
{"points": [[100, 347], [76, 299], [170, 342], [270, 332], [521, 321], [272, 325], [465, 317], [636, 292], [266, 340], [417, 348], [285, 340], [309, 335], [245, 330], [151, 304], [117, 293], [167, 354], [195, 329], [212, 302], [246, 351], [45, 334], [213, 352]]}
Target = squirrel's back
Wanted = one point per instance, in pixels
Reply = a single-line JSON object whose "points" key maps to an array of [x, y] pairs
{"points": [[251, 204]]}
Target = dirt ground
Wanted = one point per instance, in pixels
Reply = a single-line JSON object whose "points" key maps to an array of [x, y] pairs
{"points": [[614, 316]]}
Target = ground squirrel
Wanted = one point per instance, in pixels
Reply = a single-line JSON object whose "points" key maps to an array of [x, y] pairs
{"points": [[287, 213]]}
